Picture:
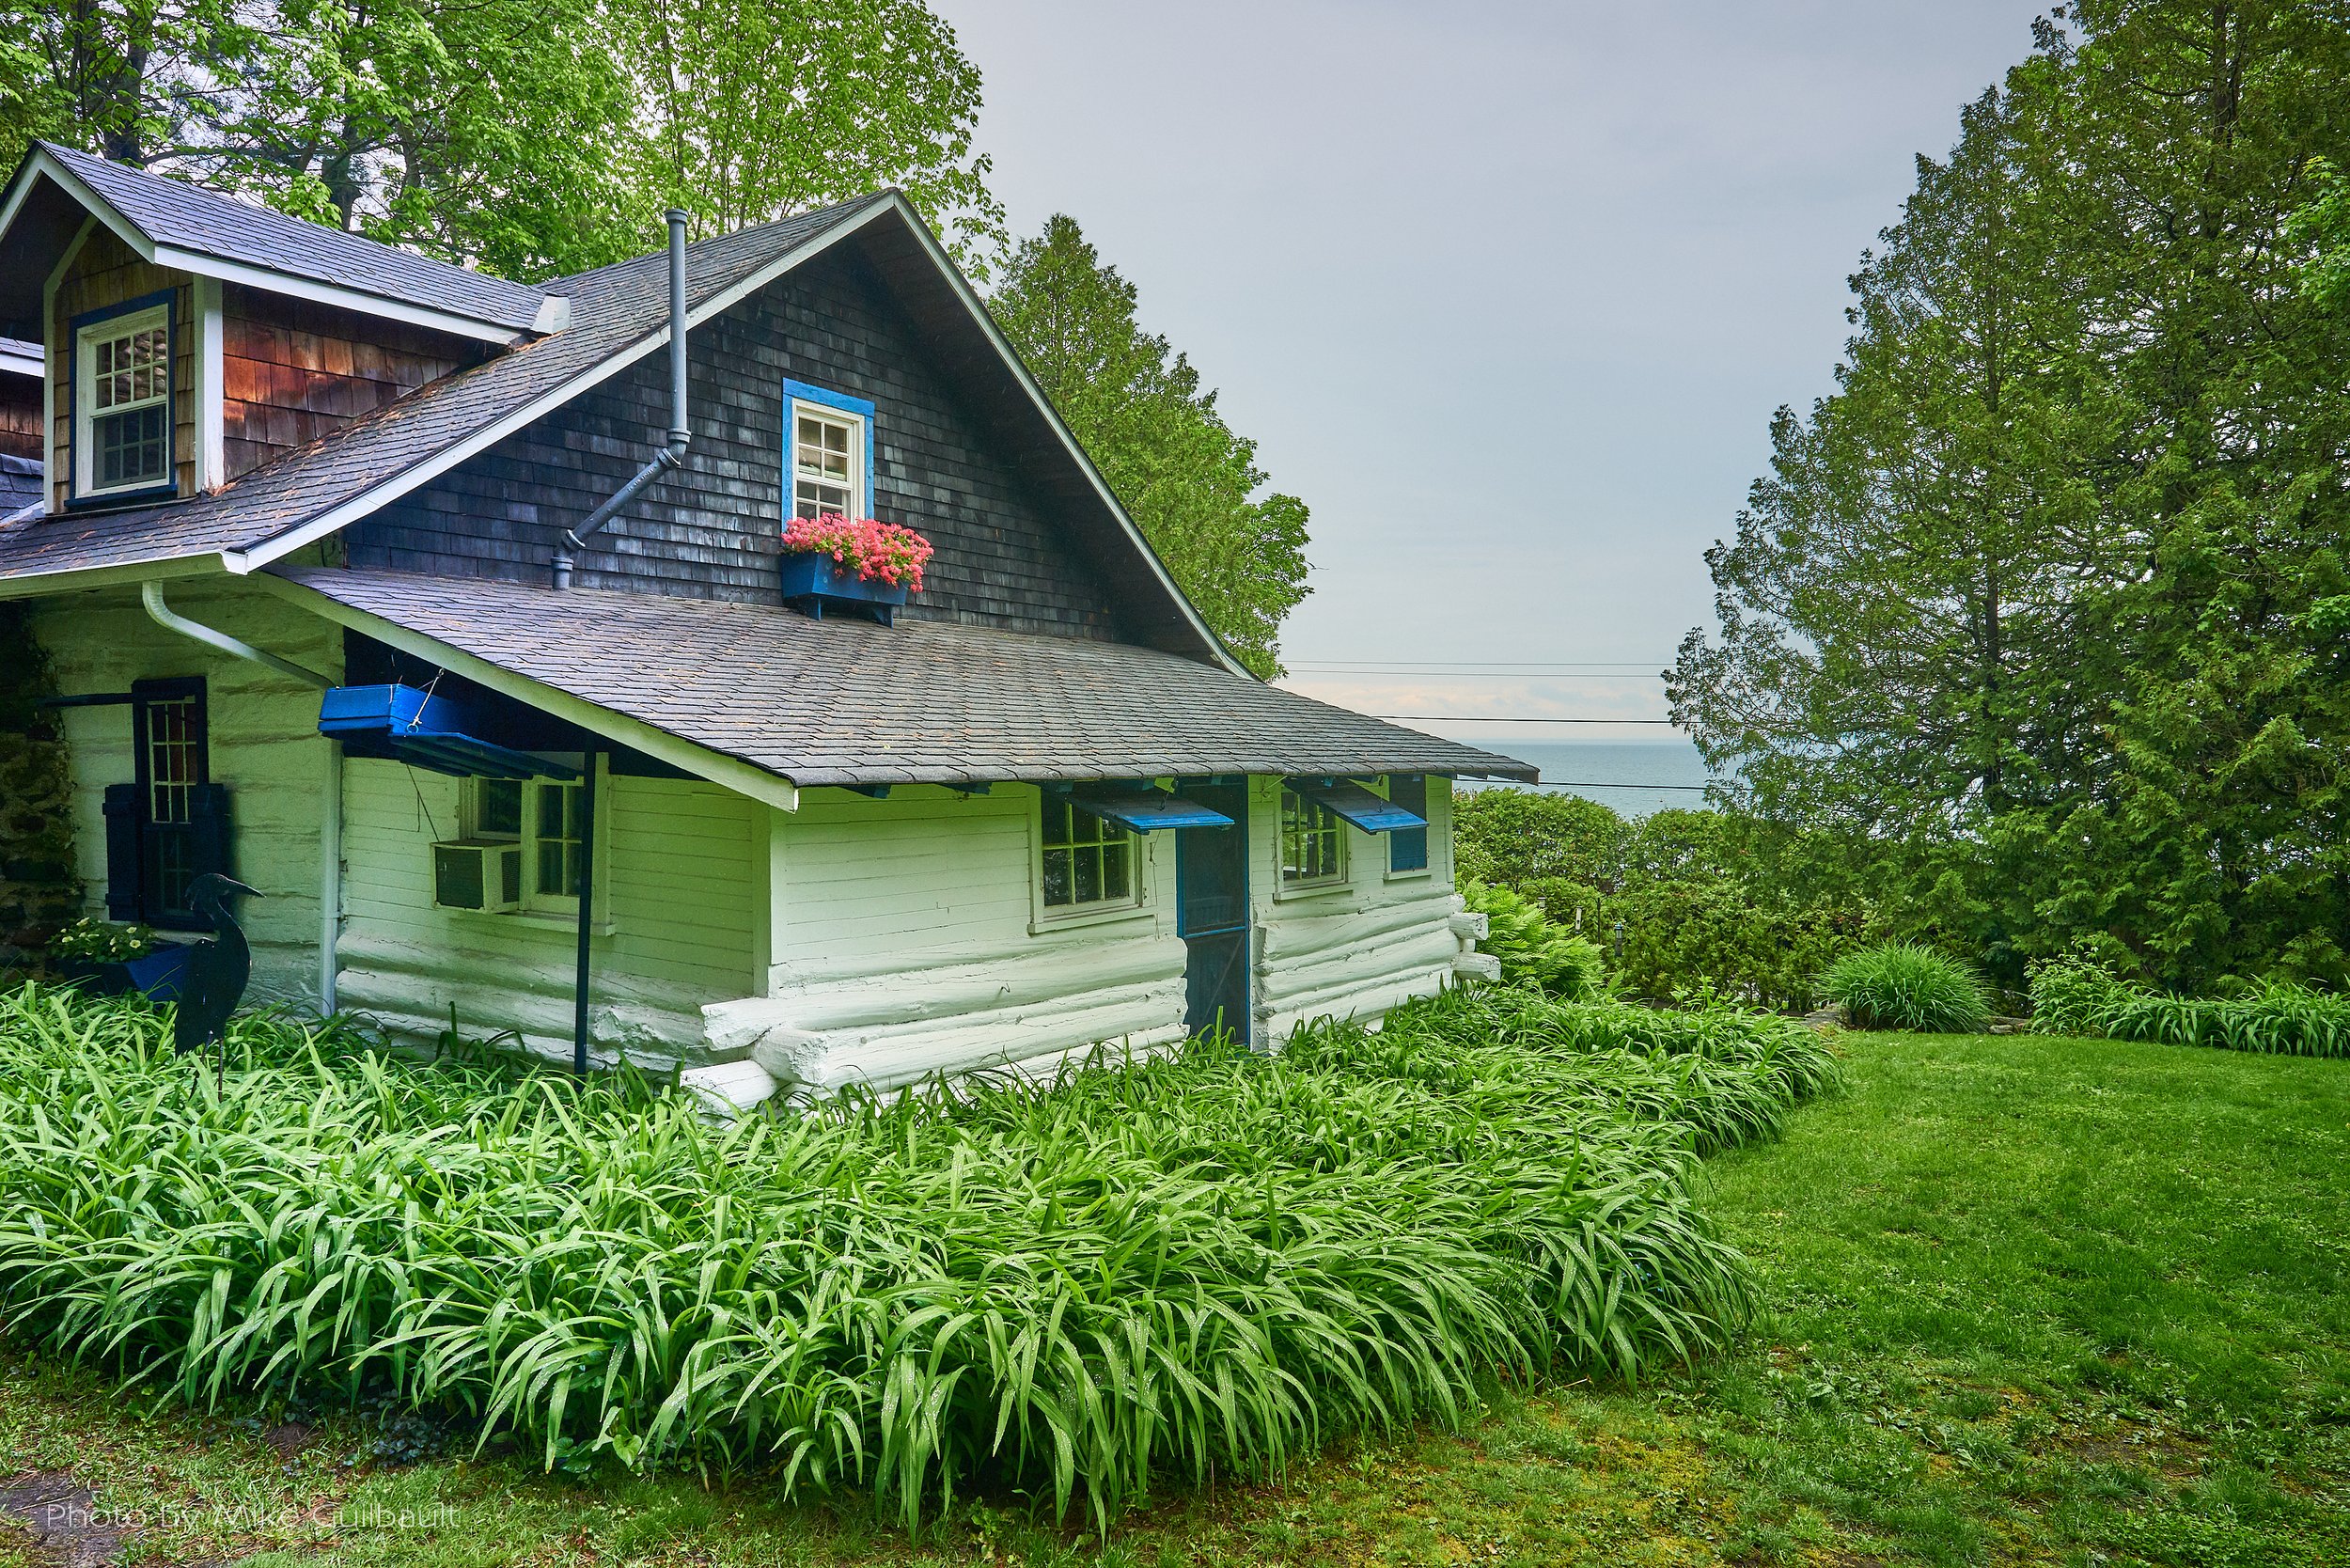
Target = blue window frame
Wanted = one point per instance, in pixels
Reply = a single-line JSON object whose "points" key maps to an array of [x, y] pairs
{"points": [[1407, 847], [827, 452]]}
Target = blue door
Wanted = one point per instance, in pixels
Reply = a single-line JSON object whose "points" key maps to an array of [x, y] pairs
{"points": [[1212, 912]]}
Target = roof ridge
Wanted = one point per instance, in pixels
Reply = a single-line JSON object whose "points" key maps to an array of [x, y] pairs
{"points": [[829, 209], [351, 260]]}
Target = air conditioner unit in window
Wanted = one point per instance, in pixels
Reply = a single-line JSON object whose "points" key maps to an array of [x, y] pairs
{"points": [[478, 873]]}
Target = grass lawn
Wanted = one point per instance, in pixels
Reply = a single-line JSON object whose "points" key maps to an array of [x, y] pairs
{"points": [[2029, 1300]]}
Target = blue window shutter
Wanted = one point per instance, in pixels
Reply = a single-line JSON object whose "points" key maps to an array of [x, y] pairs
{"points": [[122, 852], [1407, 847]]}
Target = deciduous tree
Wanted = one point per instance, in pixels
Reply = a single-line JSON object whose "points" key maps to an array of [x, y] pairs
{"points": [[1190, 481]]}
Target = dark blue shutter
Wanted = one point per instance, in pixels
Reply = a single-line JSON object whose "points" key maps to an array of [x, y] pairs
{"points": [[208, 829], [122, 852]]}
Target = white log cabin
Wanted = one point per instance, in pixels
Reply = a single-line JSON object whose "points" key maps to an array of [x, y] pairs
{"points": [[320, 539]]}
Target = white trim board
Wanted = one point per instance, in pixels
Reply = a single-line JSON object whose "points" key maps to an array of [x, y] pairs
{"points": [[730, 773], [43, 165]]}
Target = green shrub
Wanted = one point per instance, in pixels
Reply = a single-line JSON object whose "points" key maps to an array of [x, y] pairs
{"points": [[102, 942], [1901, 985], [1534, 950], [2079, 996], [1211, 1260]]}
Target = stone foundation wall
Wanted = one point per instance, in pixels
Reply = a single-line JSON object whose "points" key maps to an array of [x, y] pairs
{"points": [[39, 892]]}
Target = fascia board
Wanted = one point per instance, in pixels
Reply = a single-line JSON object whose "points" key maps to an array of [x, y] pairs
{"points": [[449, 456], [23, 363], [731, 773], [73, 579], [207, 265], [42, 163], [1010, 356]]}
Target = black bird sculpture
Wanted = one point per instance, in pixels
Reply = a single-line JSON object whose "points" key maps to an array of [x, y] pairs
{"points": [[214, 978]]}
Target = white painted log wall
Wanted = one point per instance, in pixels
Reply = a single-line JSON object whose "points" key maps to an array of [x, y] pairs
{"points": [[680, 885], [907, 942], [1359, 946], [263, 744]]}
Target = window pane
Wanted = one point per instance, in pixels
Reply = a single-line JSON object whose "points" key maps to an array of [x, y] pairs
{"points": [[1114, 868], [560, 854], [130, 447], [1089, 875], [497, 808], [1058, 890]]}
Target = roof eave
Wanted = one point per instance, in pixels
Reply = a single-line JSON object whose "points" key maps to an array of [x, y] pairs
{"points": [[721, 768], [41, 162]]}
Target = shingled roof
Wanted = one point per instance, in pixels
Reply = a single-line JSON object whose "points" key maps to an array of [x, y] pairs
{"points": [[615, 309], [842, 701], [177, 215]]}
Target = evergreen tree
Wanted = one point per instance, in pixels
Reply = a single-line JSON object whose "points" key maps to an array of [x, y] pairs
{"points": [[2031, 606], [1188, 481]]}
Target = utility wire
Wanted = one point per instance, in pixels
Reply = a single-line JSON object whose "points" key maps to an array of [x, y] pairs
{"points": [[1511, 718], [1571, 784], [1478, 664]]}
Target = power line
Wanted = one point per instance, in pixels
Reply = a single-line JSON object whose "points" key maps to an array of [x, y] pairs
{"points": [[1361, 665], [1512, 718], [1571, 784]]}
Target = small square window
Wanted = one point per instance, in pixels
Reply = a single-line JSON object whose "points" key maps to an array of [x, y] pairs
{"points": [[1088, 863], [827, 463], [1407, 847], [1313, 841]]}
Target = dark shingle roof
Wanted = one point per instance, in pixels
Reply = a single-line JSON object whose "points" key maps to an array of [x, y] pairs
{"points": [[173, 213], [613, 308], [850, 702]]}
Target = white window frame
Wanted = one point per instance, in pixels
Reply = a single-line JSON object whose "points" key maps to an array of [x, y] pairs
{"points": [[546, 905], [860, 478], [86, 413], [1286, 886], [1044, 916]]}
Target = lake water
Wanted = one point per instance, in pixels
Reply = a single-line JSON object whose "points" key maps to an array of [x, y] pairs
{"points": [[1635, 778]]}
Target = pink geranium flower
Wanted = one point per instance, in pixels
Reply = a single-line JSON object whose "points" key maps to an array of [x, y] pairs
{"points": [[876, 552]]}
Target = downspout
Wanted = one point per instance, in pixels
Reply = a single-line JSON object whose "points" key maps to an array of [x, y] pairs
{"points": [[587, 910], [671, 456], [331, 829], [152, 594]]}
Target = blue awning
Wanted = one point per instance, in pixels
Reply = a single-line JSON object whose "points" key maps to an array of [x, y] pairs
{"points": [[404, 725], [1358, 805], [1146, 810]]}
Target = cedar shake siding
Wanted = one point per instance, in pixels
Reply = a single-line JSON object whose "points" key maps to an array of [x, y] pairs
{"points": [[106, 271], [293, 371], [712, 530], [20, 418]]}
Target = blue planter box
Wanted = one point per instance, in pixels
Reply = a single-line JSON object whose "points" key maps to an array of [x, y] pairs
{"points": [[158, 976], [812, 585]]}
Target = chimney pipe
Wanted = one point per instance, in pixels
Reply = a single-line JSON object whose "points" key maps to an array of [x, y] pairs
{"points": [[668, 456]]}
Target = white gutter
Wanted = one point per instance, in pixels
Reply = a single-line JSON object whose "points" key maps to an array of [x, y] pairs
{"points": [[151, 595]]}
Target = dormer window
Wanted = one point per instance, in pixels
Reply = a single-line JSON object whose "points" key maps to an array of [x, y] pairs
{"points": [[122, 402], [831, 450]]}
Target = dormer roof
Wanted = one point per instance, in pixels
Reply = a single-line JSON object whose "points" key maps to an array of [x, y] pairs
{"points": [[173, 223]]}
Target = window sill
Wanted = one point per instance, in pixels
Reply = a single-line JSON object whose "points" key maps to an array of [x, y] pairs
{"points": [[1422, 875], [1285, 891], [549, 920], [1045, 924]]}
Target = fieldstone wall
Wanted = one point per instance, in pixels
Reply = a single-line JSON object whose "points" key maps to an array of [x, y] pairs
{"points": [[39, 891]]}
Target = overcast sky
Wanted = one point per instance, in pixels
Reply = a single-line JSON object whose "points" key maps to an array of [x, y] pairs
{"points": [[1507, 292]]}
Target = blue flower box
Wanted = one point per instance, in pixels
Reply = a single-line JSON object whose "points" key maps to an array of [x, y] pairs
{"points": [[813, 583], [157, 977]]}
